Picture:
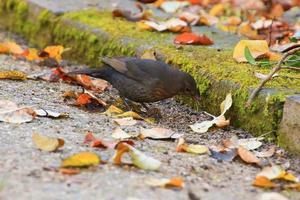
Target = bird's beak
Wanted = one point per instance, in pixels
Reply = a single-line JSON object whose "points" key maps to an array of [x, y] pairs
{"points": [[197, 97]]}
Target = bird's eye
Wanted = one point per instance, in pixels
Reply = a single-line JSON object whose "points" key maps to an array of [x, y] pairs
{"points": [[187, 89]]}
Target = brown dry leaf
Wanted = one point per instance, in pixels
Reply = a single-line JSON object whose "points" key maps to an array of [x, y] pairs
{"points": [[190, 148], [89, 102], [158, 133], [13, 75], [176, 182], [12, 113], [82, 159], [127, 121], [134, 17], [221, 122], [245, 29], [261, 181], [118, 133], [276, 12], [46, 143], [90, 83], [247, 155], [257, 48]]}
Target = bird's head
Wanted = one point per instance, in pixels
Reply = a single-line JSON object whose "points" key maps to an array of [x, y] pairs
{"points": [[189, 87]]}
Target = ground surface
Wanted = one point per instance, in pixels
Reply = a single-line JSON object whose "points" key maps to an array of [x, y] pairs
{"points": [[23, 173]]}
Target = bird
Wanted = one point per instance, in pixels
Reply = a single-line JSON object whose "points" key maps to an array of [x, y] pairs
{"points": [[144, 80]]}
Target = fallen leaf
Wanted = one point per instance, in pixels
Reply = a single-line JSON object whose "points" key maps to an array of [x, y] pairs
{"points": [[31, 55], [158, 133], [261, 181], [138, 158], [127, 121], [46, 143], [113, 110], [295, 186], [190, 148], [134, 115], [12, 113], [97, 143], [69, 171], [89, 102], [266, 154], [128, 15], [189, 17], [227, 156], [257, 48], [118, 133], [173, 25], [54, 52], [172, 6], [202, 127], [217, 10], [10, 47], [49, 113], [263, 76], [89, 137], [13, 75], [90, 83], [250, 143], [82, 159], [191, 38], [247, 155], [175, 182], [276, 172], [221, 122]]}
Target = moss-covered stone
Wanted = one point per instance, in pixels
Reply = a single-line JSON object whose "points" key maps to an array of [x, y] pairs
{"points": [[91, 34]]}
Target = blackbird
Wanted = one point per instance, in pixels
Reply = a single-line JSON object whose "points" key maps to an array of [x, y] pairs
{"points": [[144, 80]]}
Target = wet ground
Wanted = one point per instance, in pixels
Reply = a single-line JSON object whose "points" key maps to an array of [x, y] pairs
{"points": [[25, 174]]}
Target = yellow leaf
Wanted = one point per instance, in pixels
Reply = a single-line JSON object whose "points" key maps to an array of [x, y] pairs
{"points": [[245, 29], [217, 10], [113, 110], [256, 47], [12, 48], [261, 181], [226, 104], [273, 56], [82, 159], [190, 148], [46, 143], [55, 51], [13, 75], [32, 55]]}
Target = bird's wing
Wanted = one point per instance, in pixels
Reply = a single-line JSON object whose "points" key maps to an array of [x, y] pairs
{"points": [[128, 68]]}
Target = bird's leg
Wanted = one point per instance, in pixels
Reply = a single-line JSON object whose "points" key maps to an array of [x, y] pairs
{"points": [[126, 103], [152, 112]]}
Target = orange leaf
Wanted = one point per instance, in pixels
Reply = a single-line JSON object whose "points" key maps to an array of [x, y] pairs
{"points": [[176, 182], [83, 99], [55, 51], [69, 171], [121, 149], [99, 144], [11, 47], [247, 155], [89, 137], [261, 181], [191, 38]]}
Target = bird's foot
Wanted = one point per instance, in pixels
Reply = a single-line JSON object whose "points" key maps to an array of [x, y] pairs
{"points": [[154, 112]]}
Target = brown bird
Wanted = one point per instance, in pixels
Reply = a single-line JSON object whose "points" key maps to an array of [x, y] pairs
{"points": [[144, 80]]}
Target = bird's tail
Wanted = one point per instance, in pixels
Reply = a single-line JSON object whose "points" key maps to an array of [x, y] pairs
{"points": [[102, 73]]}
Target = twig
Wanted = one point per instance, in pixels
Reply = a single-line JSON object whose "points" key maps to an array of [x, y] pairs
{"points": [[270, 75], [270, 33], [289, 67]]}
